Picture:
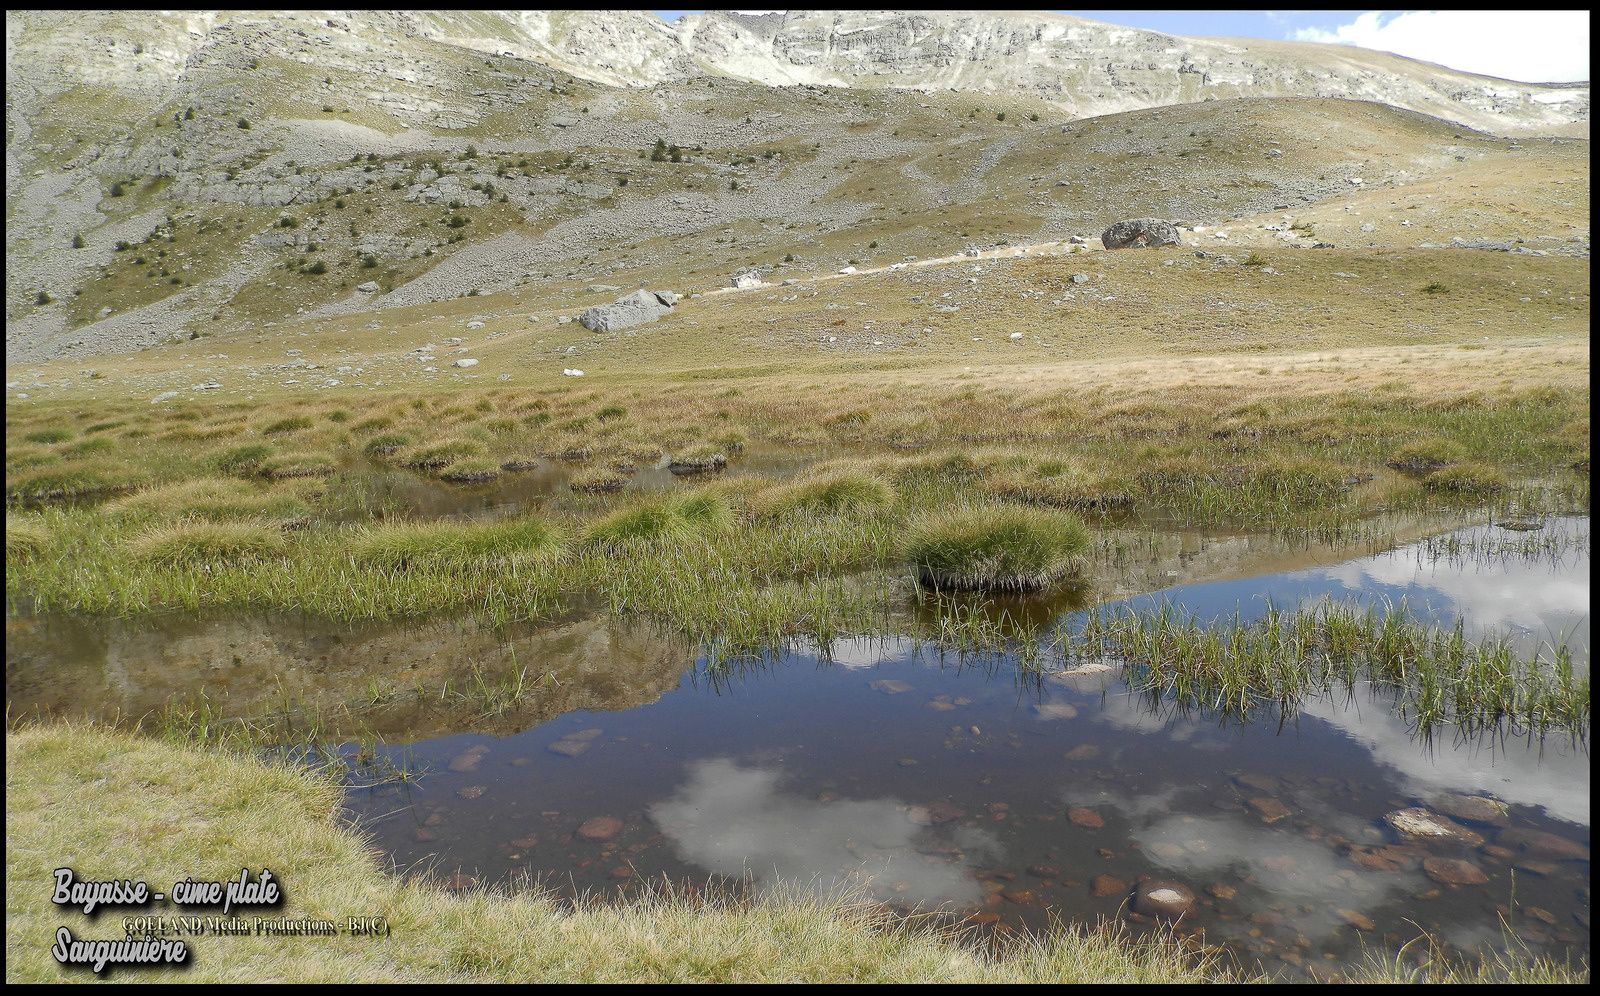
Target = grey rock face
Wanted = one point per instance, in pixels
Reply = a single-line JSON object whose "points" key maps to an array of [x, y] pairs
{"points": [[638, 308], [1140, 233]]}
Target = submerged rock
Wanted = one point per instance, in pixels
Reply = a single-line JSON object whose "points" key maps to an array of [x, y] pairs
{"points": [[1420, 824], [1357, 919], [1102, 886], [468, 759], [1163, 898], [1453, 871], [1056, 710], [600, 828], [1545, 844], [1086, 818], [1472, 808], [1269, 809]]}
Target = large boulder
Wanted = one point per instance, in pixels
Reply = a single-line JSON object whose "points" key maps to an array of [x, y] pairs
{"points": [[625, 312], [1140, 233]]}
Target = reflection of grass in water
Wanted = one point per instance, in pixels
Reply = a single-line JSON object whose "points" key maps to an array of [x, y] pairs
{"points": [[495, 695], [1440, 677], [1548, 544]]}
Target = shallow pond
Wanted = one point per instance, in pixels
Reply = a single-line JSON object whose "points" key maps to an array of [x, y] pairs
{"points": [[926, 780]]}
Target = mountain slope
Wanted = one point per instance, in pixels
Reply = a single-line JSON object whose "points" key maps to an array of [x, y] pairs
{"points": [[177, 174], [1089, 67]]}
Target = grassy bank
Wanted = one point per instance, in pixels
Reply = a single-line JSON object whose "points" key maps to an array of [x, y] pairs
{"points": [[341, 511], [112, 805]]}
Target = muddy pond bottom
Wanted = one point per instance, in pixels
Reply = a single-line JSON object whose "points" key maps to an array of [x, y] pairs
{"points": [[1009, 799]]}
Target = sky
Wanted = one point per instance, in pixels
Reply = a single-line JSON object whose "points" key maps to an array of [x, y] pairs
{"points": [[1533, 46]]}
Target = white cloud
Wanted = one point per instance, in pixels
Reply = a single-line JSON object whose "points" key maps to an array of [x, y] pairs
{"points": [[740, 822], [1535, 46]]}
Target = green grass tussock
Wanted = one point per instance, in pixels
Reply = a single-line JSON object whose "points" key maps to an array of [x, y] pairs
{"points": [[242, 461], [193, 544], [598, 480], [210, 500], [472, 470], [432, 456], [27, 536], [996, 549], [52, 484], [1061, 485], [454, 544], [1426, 455], [385, 444], [827, 493], [1437, 674], [677, 519], [281, 466], [698, 458], [1467, 480]]}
